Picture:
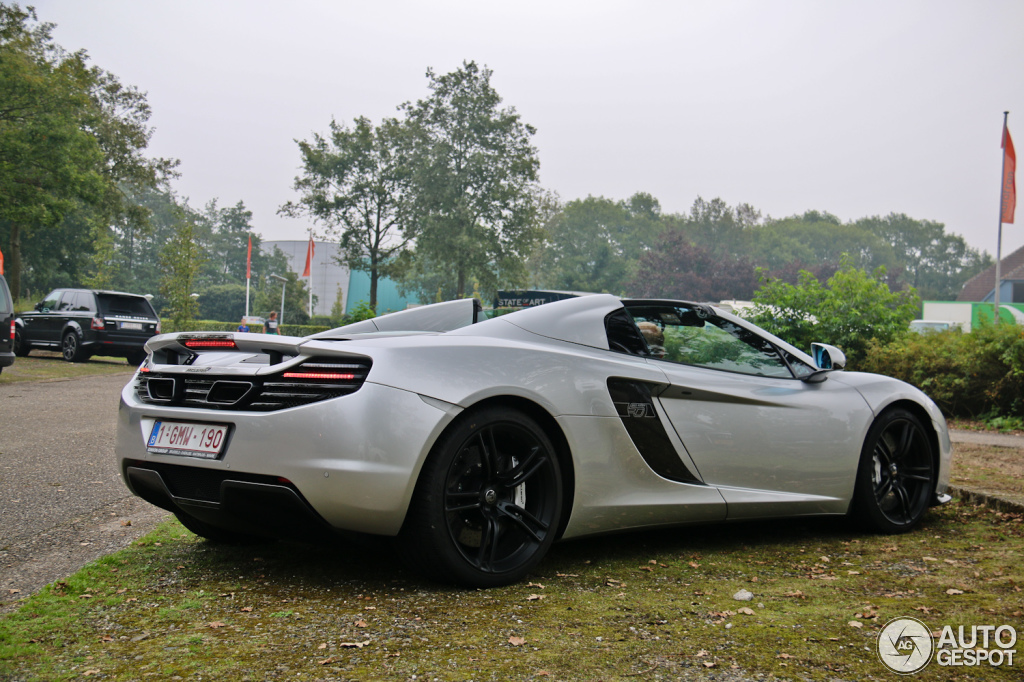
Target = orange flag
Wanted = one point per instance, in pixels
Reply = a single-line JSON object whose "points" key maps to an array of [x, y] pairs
{"points": [[1009, 179], [309, 258], [1, 262]]}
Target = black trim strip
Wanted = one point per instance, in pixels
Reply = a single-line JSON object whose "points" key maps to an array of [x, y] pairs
{"points": [[635, 407]]}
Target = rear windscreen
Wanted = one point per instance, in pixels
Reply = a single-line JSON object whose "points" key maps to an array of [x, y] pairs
{"points": [[125, 305]]}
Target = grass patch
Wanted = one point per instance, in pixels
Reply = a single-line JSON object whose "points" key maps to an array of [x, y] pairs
{"points": [[989, 468], [639, 606], [42, 365]]}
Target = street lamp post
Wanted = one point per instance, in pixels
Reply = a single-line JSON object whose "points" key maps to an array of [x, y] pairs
{"points": [[284, 284]]}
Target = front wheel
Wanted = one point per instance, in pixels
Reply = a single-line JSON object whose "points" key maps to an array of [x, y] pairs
{"points": [[896, 477], [71, 348], [488, 503]]}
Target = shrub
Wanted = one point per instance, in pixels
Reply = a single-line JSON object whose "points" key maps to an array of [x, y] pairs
{"points": [[975, 375], [849, 310]]}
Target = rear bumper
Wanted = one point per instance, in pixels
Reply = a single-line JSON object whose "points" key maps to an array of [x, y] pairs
{"points": [[353, 460], [6, 359], [255, 505]]}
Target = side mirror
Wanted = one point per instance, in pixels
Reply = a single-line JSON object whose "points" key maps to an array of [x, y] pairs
{"points": [[39, 306], [827, 357]]}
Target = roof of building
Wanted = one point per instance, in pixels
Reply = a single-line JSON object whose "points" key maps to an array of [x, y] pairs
{"points": [[981, 285]]}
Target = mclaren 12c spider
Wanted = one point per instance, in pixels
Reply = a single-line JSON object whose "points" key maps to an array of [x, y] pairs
{"points": [[477, 443]]}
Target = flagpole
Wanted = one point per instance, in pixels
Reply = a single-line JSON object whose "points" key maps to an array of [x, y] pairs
{"points": [[248, 274], [309, 248], [999, 237]]}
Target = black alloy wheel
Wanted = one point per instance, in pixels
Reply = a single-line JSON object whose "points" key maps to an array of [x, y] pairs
{"points": [[21, 349], [896, 479], [71, 347], [489, 503]]}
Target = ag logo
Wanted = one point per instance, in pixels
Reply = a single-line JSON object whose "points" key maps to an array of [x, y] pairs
{"points": [[905, 645]]}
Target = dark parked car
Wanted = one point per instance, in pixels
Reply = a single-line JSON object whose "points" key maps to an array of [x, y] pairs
{"points": [[6, 325], [84, 322]]}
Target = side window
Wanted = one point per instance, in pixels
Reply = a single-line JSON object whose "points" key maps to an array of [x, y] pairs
{"points": [[67, 302], [622, 334], [84, 302], [696, 336], [52, 301]]}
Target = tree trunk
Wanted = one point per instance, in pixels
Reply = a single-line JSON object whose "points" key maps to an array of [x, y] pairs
{"points": [[14, 266], [461, 289], [373, 289]]}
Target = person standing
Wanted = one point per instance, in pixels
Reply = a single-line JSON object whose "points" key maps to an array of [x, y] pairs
{"points": [[244, 326], [272, 326]]}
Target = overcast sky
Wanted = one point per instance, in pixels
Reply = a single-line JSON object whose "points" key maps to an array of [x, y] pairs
{"points": [[857, 108]]}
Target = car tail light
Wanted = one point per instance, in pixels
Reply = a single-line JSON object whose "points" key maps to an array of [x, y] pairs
{"points": [[12, 330], [210, 344], [337, 376], [98, 323], [158, 326]]}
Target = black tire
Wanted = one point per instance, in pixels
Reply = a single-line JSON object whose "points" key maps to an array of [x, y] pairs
{"points": [[896, 476], [21, 349], [488, 502], [136, 358], [215, 534], [71, 348]]}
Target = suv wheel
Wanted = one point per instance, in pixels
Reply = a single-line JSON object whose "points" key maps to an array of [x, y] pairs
{"points": [[21, 349], [71, 348]]}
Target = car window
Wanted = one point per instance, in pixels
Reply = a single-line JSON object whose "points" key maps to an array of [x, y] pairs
{"points": [[696, 336], [51, 301], [84, 302], [134, 306]]}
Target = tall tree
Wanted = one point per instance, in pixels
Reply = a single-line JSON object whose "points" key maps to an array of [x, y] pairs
{"points": [[356, 183], [594, 244], [475, 181], [181, 259], [676, 268], [937, 264], [71, 138]]}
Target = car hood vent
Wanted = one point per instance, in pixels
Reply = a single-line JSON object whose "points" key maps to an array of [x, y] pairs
{"points": [[310, 382]]}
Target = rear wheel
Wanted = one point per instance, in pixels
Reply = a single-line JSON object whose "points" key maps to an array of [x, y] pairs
{"points": [[488, 503], [71, 348], [896, 478], [215, 534], [21, 349]]}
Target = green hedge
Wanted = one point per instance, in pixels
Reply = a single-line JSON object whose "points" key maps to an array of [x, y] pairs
{"points": [[975, 375], [214, 326]]}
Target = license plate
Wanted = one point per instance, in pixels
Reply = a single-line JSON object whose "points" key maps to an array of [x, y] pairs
{"points": [[190, 440], [131, 325]]}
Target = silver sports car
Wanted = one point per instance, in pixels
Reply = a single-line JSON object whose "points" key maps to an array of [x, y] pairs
{"points": [[477, 443]]}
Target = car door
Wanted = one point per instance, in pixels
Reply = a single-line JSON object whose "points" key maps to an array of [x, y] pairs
{"points": [[40, 327], [772, 443]]}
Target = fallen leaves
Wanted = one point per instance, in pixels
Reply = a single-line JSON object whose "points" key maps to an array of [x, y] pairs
{"points": [[746, 611], [953, 590], [215, 624], [516, 641], [535, 597], [855, 624], [354, 645]]}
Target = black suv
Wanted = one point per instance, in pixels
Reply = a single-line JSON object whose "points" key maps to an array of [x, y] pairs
{"points": [[85, 322], [6, 325]]}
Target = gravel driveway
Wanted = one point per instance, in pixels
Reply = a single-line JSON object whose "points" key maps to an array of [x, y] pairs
{"points": [[62, 502]]}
